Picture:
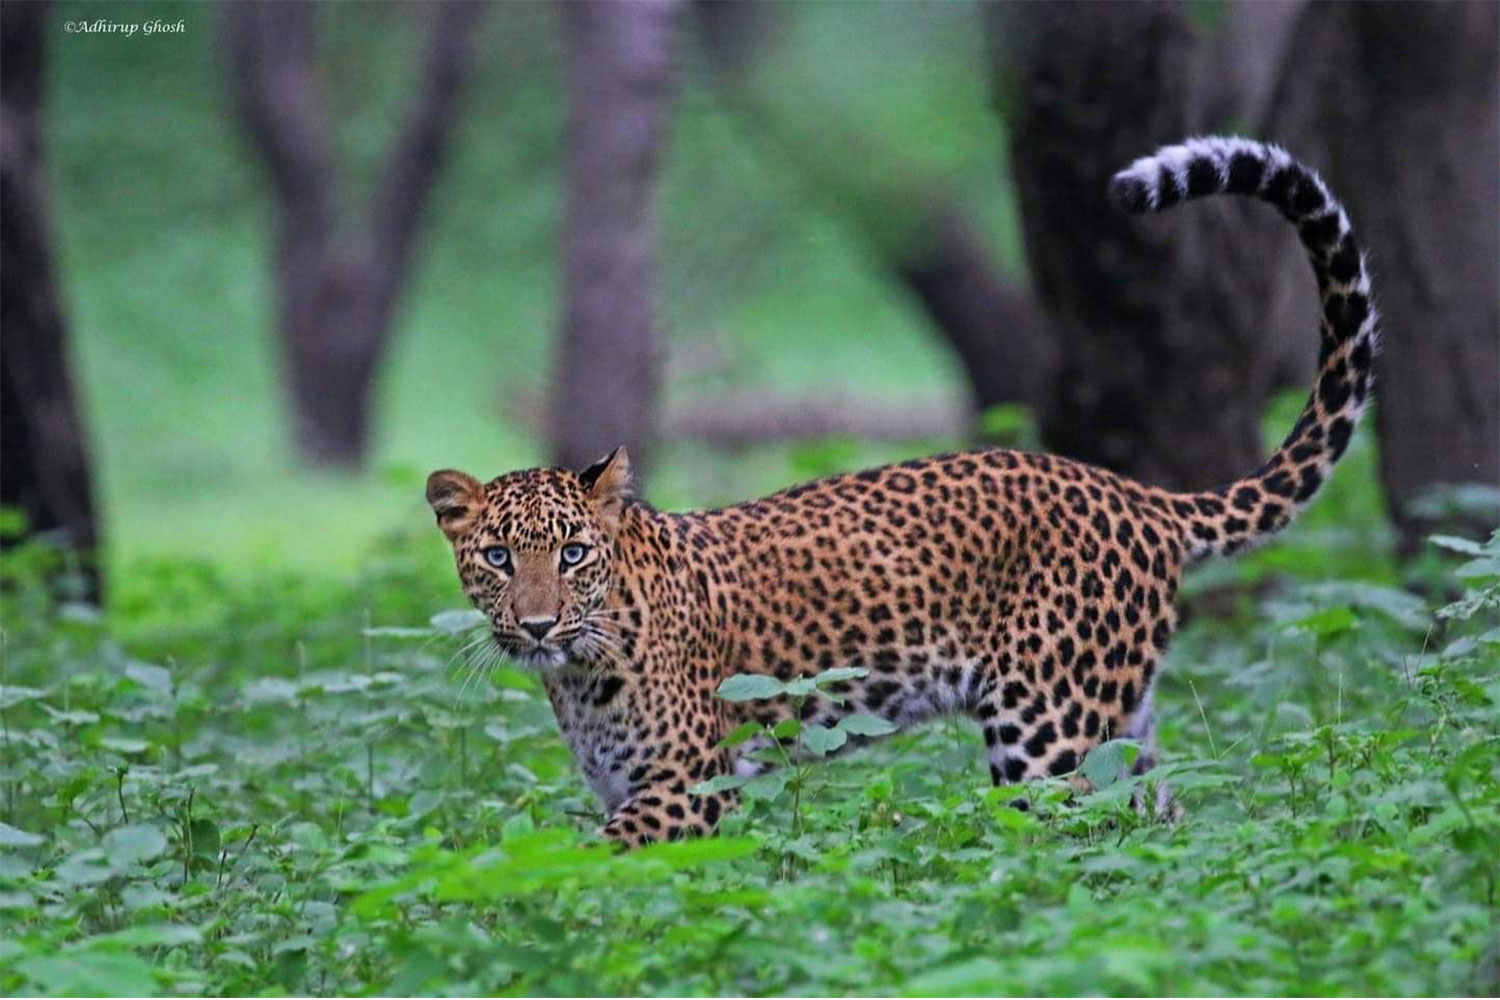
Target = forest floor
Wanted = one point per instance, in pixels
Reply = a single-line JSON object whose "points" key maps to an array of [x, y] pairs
{"points": [[293, 785]]}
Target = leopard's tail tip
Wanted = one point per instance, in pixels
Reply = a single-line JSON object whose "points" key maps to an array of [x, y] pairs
{"points": [[1130, 192]]}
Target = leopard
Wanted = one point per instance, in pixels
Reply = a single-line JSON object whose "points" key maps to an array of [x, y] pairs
{"points": [[1033, 593]]}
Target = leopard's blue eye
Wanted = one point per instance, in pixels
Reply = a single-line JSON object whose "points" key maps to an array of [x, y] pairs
{"points": [[497, 556], [573, 553]]}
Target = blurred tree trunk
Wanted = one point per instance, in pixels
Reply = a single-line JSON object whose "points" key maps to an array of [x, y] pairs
{"points": [[1164, 359], [337, 278], [44, 464], [942, 262], [619, 73], [1404, 101]]}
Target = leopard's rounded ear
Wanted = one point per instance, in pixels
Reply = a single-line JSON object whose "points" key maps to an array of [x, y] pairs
{"points": [[456, 498], [608, 483]]}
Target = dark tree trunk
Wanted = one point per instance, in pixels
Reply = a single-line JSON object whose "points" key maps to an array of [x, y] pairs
{"points": [[619, 69], [44, 462], [338, 279], [1164, 360], [1406, 101], [989, 322]]}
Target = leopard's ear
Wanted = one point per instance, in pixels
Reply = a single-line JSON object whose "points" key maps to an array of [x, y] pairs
{"points": [[608, 483], [456, 498]]}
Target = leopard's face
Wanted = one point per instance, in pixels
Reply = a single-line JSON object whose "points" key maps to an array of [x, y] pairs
{"points": [[533, 551]]}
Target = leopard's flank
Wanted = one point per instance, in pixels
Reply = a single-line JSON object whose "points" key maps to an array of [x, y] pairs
{"points": [[1030, 592]]}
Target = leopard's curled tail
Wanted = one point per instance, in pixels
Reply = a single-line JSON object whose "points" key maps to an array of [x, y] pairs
{"points": [[1226, 519]]}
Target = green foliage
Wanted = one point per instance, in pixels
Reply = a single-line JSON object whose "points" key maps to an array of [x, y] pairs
{"points": [[318, 799]]}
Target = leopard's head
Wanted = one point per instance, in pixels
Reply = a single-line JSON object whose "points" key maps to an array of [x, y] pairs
{"points": [[534, 552]]}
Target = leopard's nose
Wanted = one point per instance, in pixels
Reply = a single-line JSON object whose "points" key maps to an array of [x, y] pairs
{"points": [[538, 628]]}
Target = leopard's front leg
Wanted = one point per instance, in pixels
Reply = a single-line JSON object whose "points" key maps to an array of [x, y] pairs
{"points": [[665, 810]]}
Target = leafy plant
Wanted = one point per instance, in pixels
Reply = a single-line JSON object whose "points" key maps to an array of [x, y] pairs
{"points": [[298, 792]]}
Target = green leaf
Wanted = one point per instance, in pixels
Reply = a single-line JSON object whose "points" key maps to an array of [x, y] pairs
{"points": [[10, 694], [787, 729], [837, 674], [1108, 762], [1405, 608], [85, 972], [11, 837], [84, 868], [124, 745], [821, 741], [1453, 543], [152, 936], [129, 844], [718, 783], [148, 675], [767, 786], [1328, 622], [860, 724], [975, 977], [801, 687], [750, 687], [204, 834], [742, 733]]}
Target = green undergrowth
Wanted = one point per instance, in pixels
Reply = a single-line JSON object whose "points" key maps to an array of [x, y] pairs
{"points": [[307, 791]]}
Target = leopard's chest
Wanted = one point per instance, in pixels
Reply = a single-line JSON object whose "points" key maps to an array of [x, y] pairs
{"points": [[600, 737]]}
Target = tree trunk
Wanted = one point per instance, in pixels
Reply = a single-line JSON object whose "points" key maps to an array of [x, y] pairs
{"points": [[44, 464], [1164, 361], [990, 323], [338, 279], [619, 70], [1412, 124]]}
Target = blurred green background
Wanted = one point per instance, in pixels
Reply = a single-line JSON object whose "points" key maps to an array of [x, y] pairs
{"points": [[164, 229]]}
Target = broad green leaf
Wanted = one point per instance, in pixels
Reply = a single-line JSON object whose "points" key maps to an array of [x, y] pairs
{"points": [[750, 687], [767, 786], [1405, 608], [860, 724], [11, 837], [718, 783], [151, 936], [124, 745], [1328, 622], [74, 717], [837, 674], [205, 838], [1454, 543], [1108, 762], [801, 687], [10, 694], [821, 741], [149, 675], [128, 844], [82, 972], [742, 733], [974, 977], [787, 729], [84, 868]]}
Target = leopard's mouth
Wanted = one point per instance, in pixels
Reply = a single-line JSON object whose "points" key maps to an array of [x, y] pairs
{"points": [[532, 655], [540, 658]]}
